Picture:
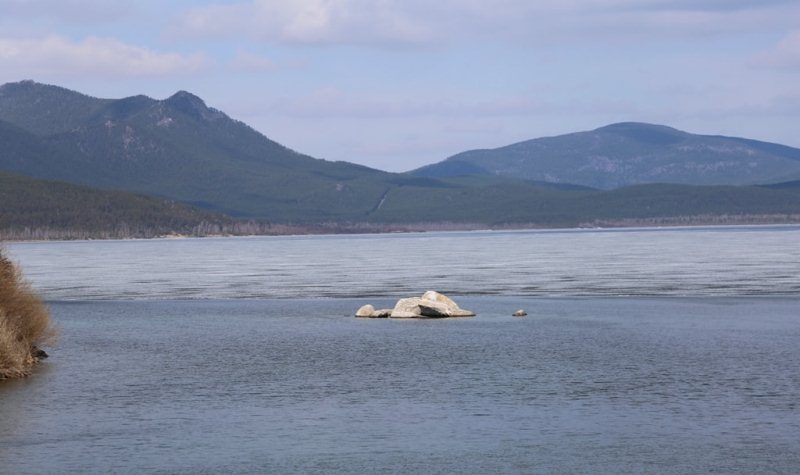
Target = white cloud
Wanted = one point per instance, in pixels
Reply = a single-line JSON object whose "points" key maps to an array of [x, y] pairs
{"points": [[309, 21], [393, 22], [57, 56], [785, 55]]}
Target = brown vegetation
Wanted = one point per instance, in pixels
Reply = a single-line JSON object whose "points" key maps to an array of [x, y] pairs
{"points": [[24, 323]]}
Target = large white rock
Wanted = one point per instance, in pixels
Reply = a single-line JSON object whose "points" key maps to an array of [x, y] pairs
{"points": [[437, 297], [434, 309], [453, 310], [430, 305], [407, 308]]}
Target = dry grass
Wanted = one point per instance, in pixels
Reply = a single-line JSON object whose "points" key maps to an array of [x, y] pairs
{"points": [[25, 323]]}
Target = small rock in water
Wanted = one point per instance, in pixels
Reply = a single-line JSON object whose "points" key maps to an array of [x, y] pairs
{"points": [[520, 313], [365, 312], [368, 311]]}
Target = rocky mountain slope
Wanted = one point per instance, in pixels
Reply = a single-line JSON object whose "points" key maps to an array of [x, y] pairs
{"points": [[629, 154]]}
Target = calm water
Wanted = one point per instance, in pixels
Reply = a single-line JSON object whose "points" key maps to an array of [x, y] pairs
{"points": [[687, 262], [241, 355]]}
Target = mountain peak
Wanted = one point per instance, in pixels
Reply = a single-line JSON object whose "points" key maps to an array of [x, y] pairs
{"points": [[19, 84], [186, 100], [45, 109], [29, 85], [637, 126], [644, 132], [191, 104], [186, 96]]}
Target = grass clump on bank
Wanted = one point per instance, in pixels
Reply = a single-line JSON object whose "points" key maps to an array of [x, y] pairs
{"points": [[25, 323]]}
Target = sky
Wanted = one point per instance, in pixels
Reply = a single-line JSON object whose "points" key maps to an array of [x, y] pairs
{"points": [[397, 84]]}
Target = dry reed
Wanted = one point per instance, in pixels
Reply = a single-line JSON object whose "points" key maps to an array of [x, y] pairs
{"points": [[25, 323]]}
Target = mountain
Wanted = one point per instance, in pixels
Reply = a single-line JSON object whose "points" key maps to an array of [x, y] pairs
{"points": [[181, 149], [40, 209], [628, 154]]}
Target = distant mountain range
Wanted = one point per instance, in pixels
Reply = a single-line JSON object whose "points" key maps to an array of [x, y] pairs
{"points": [[180, 150], [630, 154]]}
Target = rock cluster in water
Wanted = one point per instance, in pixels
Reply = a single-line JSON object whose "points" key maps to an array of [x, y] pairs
{"points": [[430, 305]]}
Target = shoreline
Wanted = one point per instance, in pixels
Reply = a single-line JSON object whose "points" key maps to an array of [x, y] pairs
{"points": [[331, 229]]}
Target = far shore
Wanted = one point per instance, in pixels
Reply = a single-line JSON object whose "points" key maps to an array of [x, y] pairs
{"points": [[46, 235]]}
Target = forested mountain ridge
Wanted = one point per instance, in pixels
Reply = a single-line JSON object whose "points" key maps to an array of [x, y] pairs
{"points": [[629, 153], [41, 209], [179, 150]]}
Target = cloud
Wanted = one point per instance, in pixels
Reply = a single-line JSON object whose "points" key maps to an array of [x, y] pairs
{"points": [[785, 55], [58, 56], [410, 22], [247, 62], [309, 21]]}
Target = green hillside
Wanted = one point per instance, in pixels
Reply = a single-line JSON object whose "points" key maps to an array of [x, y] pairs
{"points": [[46, 110], [523, 203], [32, 208], [627, 154], [41, 209]]}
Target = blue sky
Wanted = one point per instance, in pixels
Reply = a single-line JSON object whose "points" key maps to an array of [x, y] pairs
{"points": [[396, 84]]}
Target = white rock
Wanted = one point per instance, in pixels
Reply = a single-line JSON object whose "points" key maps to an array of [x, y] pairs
{"points": [[453, 310], [365, 312], [460, 312], [431, 305], [434, 309], [407, 308], [437, 297]]}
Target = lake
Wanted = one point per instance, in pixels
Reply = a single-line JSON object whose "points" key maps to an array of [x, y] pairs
{"points": [[645, 351]]}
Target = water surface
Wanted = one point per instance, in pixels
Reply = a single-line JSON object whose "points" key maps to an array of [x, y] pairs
{"points": [[722, 261], [242, 355]]}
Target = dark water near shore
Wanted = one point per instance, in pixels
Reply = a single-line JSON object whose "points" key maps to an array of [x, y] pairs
{"points": [[703, 377]]}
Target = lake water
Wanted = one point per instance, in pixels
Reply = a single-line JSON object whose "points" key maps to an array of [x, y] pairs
{"points": [[645, 351]]}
